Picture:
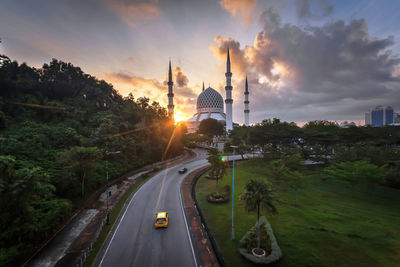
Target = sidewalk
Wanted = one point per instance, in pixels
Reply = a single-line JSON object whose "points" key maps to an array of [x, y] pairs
{"points": [[79, 234]]}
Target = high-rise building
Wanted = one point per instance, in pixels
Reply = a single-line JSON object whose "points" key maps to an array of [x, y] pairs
{"points": [[388, 115], [380, 116], [367, 118], [377, 116], [396, 118]]}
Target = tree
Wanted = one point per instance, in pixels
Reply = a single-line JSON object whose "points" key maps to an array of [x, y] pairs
{"points": [[211, 127], [218, 166], [257, 195], [392, 178], [79, 160]]}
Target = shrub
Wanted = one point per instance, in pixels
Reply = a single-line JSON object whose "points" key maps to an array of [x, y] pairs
{"points": [[249, 241]]}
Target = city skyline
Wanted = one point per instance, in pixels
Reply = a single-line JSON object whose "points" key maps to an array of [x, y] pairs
{"points": [[305, 60]]}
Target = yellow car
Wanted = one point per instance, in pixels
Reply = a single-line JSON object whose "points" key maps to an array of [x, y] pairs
{"points": [[161, 219]]}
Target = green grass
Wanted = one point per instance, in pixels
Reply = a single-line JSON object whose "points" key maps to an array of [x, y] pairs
{"points": [[114, 216], [334, 223]]}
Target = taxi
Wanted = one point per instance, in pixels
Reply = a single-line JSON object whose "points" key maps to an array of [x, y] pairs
{"points": [[161, 219]]}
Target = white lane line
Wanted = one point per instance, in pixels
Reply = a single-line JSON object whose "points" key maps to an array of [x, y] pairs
{"points": [[187, 227], [161, 190], [119, 223]]}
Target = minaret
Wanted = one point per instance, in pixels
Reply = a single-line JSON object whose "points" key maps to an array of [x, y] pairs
{"points": [[203, 85], [170, 93], [246, 104], [228, 89]]}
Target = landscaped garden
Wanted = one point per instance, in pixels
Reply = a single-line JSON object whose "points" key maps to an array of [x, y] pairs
{"points": [[321, 220]]}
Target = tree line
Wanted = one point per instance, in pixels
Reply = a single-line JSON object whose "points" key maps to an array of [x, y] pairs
{"points": [[358, 153], [57, 125]]}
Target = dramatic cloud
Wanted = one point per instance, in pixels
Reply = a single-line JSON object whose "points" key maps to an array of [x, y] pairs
{"points": [[332, 72], [313, 9], [135, 12], [185, 97], [238, 60], [242, 8]]}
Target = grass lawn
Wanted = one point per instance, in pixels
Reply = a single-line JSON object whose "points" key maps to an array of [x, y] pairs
{"points": [[334, 223]]}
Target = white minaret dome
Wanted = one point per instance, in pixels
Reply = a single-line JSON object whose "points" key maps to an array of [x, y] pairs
{"points": [[210, 100]]}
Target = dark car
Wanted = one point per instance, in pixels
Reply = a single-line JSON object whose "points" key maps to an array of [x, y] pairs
{"points": [[182, 171]]}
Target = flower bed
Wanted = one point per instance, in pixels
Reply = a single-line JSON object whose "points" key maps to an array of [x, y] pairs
{"points": [[267, 242], [220, 198]]}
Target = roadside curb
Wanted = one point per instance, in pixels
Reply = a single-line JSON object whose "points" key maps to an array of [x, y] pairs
{"points": [[202, 238]]}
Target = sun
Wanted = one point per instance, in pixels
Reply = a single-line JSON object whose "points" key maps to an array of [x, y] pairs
{"points": [[179, 116]]}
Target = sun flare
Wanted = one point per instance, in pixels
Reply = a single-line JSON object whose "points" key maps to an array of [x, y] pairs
{"points": [[179, 116]]}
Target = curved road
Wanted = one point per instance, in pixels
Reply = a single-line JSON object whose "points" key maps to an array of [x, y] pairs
{"points": [[135, 241]]}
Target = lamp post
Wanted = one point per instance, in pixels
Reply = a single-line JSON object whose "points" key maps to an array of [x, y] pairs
{"points": [[233, 189], [107, 192]]}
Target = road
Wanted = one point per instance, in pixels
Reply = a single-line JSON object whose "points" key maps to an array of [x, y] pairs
{"points": [[135, 241]]}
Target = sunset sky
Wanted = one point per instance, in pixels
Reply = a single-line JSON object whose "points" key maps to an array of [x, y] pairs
{"points": [[305, 59]]}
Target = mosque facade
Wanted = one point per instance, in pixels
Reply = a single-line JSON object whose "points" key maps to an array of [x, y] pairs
{"points": [[210, 103]]}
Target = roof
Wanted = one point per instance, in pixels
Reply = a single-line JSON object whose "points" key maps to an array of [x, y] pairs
{"points": [[162, 214], [210, 101]]}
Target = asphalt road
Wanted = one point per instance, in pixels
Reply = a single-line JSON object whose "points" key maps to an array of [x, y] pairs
{"points": [[135, 241]]}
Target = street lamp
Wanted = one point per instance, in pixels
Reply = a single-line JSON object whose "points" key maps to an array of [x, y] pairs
{"points": [[233, 189], [107, 192]]}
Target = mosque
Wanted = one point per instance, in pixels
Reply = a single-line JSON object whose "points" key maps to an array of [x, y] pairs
{"points": [[210, 103]]}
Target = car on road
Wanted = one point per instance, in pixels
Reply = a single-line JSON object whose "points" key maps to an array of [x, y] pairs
{"points": [[182, 171], [161, 219]]}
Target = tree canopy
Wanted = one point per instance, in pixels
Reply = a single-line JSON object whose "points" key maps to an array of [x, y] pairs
{"points": [[56, 123], [211, 127]]}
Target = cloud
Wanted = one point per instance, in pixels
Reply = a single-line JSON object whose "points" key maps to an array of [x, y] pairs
{"points": [[180, 78], [313, 9], [238, 61], [242, 8], [184, 99], [135, 12], [334, 71]]}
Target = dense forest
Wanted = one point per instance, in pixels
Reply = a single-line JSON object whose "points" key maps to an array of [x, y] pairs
{"points": [[57, 125], [357, 154]]}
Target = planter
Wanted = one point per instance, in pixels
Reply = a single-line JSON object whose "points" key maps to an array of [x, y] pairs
{"points": [[258, 252], [273, 256], [221, 199]]}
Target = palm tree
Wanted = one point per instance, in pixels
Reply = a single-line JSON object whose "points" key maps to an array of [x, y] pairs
{"points": [[258, 194]]}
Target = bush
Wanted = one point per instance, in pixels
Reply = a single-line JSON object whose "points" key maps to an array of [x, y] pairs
{"points": [[220, 198], [249, 241]]}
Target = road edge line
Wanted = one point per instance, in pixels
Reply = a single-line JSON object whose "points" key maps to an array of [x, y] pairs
{"points": [[119, 222], [187, 227]]}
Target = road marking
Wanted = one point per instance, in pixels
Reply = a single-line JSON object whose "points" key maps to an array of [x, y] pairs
{"points": [[187, 228], [119, 223], [161, 190]]}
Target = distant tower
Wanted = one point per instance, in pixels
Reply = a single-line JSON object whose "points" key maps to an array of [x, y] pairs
{"points": [[246, 104], [203, 85], [170, 93], [228, 89]]}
